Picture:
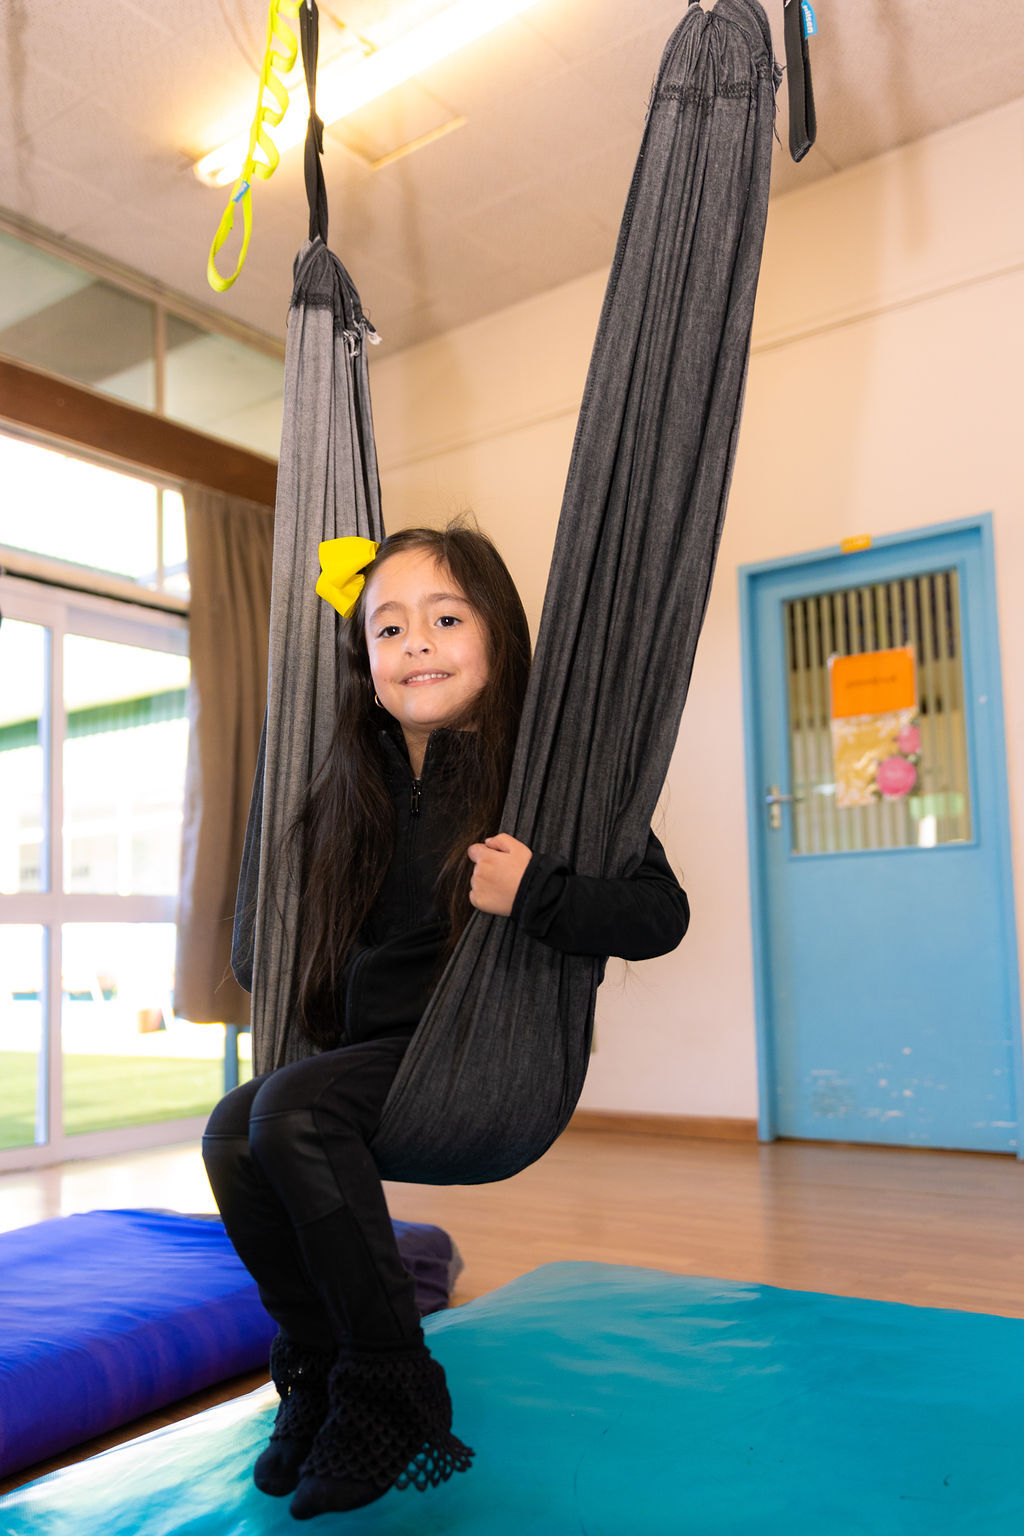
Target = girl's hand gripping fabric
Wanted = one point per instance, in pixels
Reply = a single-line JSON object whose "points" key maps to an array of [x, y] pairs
{"points": [[498, 866]]}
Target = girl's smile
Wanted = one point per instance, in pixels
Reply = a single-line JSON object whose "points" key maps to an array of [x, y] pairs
{"points": [[427, 647]]}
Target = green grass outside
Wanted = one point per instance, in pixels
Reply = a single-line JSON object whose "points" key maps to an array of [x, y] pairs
{"points": [[103, 1093]]}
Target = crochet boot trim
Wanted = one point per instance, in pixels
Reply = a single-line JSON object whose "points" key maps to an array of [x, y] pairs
{"points": [[389, 1425], [300, 1375]]}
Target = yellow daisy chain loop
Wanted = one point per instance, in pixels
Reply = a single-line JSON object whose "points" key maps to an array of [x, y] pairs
{"points": [[278, 59], [341, 565]]}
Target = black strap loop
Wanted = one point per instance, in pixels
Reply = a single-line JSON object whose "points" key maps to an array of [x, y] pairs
{"points": [[803, 126], [316, 188]]}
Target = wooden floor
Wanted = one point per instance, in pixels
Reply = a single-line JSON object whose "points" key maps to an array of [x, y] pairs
{"points": [[935, 1229]]}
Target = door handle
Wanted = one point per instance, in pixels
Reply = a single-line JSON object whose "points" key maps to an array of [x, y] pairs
{"points": [[773, 800]]}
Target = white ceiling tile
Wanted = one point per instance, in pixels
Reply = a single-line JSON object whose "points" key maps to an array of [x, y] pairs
{"points": [[626, 71], [379, 21], [83, 41], [50, 196], [30, 99], [563, 117], [598, 183], [546, 230], [447, 262], [510, 59], [88, 141], [393, 121], [264, 306], [440, 181], [479, 293], [404, 330], [578, 28], [152, 249]]}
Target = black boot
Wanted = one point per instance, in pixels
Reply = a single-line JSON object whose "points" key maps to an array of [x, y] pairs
{"points": [[300, 1375], [389, 1426]]}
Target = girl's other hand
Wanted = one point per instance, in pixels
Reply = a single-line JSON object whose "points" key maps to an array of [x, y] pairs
{"points": [[498, 866]]}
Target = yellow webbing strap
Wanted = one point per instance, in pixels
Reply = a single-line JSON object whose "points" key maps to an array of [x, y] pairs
{"points": [[279, 57]]}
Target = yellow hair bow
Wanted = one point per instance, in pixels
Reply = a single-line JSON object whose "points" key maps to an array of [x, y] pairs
{"points": [[341, 565]]}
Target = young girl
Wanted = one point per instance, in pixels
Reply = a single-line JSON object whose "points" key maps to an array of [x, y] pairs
{"points": [[396, 852]]}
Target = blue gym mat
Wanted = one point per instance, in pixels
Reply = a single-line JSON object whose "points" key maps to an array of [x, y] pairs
{"points": [[608, 1401]]}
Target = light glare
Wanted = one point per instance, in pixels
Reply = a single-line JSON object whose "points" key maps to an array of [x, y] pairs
{"points": [[342, 88]]}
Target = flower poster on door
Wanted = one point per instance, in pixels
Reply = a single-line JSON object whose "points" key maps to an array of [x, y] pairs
{"points": [[876, 742]]}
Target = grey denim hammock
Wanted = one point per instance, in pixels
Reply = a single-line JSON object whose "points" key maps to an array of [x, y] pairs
{"points": [[497, 1063]]}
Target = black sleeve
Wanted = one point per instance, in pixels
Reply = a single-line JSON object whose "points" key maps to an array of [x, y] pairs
{"points": [[644, 915]]}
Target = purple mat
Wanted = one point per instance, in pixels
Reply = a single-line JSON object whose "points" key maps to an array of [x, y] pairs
{"points": [[113, 1314]]}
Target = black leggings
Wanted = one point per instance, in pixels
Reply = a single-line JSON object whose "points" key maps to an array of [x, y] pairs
{"points": [[302, 1201]]}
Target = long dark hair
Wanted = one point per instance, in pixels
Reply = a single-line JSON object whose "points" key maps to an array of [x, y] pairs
{"points": [[346, 826]]}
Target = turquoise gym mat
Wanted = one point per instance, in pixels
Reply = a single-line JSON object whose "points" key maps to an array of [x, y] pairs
{"points": [[606, 1401]]}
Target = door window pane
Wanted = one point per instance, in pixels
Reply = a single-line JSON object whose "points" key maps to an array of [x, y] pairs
{"points": [[22, 1116], [124, 767], [893, 774], [127, 1059], [23, 670]]}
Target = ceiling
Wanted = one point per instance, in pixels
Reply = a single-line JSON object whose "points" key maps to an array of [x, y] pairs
{"points": [[105, 104]]}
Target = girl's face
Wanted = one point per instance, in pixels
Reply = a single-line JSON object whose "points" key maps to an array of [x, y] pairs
{"points": [[427, 646]]}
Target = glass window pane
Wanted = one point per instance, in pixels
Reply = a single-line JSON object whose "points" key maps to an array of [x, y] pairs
{"points": [[22, 1116], [878, 747], [124, 767], [57, 505], [223, 387], [175, 554], [23, 668], [57, 317], [127, 1059]]}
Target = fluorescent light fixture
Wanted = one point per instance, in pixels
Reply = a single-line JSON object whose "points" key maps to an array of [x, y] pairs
{"points": [[344, 87]]}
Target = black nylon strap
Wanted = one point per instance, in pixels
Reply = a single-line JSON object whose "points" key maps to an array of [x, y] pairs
{"points": [[316, 189], [803, 126]]}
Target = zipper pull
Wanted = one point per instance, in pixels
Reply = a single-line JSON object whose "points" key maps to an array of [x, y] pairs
{"points": [[414, 797]]}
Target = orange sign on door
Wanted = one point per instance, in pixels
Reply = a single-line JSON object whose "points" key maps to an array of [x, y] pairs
{"points": [[873, 682]]}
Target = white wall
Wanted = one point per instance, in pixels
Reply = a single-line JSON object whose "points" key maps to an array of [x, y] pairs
{"points": [[884, 394]]}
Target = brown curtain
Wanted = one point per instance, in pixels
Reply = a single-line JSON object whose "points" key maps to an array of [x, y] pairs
{"points": [[230, 552]]}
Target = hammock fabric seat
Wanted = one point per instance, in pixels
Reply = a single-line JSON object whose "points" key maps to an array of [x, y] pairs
{"points": [[497, 1064]]}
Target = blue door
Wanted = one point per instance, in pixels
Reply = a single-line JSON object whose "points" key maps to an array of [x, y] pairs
{"points": [[885, 949]]}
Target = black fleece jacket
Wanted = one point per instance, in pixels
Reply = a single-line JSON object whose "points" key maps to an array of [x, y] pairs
{"points": [[394, 966]]}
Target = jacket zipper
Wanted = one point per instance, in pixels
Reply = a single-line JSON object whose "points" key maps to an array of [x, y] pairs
{"points": [[415, 789]]}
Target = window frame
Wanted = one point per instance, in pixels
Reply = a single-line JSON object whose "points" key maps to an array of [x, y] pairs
{"points": [[74, 612], [51, 571]]}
